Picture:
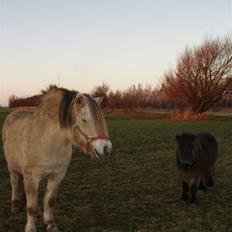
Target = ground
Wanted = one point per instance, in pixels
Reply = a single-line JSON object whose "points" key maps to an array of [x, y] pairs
{"points": [[137, 188]]}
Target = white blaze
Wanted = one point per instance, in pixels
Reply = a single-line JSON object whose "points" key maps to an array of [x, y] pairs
{"points": [[100, 144]]}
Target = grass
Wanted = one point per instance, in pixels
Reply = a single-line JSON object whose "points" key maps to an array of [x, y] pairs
{"points": [[138, 188]]}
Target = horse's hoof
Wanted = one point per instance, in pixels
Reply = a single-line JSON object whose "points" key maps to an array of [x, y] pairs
{"points": [[15, 209], [184, 200], [16, 206], [194, 203], [54, 229], [51, 227], [31, 229]]}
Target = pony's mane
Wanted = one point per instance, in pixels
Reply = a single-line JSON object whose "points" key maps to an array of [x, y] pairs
{"points": [[57, 103], [65, 108]]}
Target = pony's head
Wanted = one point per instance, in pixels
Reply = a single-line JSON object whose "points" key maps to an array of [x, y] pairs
{"points": [[186, 150], [81, 117]]}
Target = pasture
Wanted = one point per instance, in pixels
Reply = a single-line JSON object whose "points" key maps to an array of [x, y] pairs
{"points": [[137, 188]]}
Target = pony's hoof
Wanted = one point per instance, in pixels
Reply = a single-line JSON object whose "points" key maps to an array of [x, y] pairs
{"points": [[184, 200], [194, 203], [52, 227], [30, 229], [15, 207]]}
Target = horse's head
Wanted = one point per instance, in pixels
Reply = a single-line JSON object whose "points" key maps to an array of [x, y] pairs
{"points": [[83, 115], [186, 150]]}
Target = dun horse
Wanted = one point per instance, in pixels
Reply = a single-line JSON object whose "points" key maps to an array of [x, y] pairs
{"points": [[196, 156], [38, 144]]}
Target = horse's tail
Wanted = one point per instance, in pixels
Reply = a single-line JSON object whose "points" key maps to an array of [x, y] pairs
{"points": [[209, 177]]}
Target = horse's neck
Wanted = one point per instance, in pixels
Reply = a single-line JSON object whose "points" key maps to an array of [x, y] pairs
{"points": [[51, 130], [50, 105]]}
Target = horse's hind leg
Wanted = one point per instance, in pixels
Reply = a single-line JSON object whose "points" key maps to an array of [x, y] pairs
{"points": [[18, 195], [31, 184], [49, 200], [202, 185], [209, 177]]}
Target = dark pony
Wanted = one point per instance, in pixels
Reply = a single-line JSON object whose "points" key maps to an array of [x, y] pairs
{"points": [[196, 156]]}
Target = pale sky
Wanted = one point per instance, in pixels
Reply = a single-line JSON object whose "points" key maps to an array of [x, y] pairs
{"points": [[119, 42]]}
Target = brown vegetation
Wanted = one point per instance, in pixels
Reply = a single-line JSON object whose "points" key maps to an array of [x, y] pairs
{"points": [[201, 80], [203, 75]]}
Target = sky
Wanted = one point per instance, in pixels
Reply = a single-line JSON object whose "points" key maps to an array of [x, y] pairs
{"points": [[81, 44]]}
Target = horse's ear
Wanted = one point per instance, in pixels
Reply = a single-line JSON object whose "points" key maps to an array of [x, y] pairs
{"points": [[98, 100], [178, 138], [193, 137], [79, 99]]}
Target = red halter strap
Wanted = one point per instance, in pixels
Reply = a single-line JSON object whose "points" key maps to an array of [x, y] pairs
{"points": [[91, 139]]}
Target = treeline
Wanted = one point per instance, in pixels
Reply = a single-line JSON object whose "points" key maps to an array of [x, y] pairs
{"points": [[201, 80], [32, 101], [136, 97]]}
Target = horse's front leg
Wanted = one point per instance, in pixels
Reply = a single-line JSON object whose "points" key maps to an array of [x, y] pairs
{"points": [[31, 184], [18, 194], [49, 201]]}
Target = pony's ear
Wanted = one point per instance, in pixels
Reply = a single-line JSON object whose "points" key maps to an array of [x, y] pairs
{"points": [[193, 137], [79, 99], [178, 138], [98, 100]]}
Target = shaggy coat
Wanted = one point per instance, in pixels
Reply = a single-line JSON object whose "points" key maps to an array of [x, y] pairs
{"points": [[196, 156], [38, 144]]}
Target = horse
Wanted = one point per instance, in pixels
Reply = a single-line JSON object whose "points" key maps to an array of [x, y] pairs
{"points": [[38, 144], [196, 156]]}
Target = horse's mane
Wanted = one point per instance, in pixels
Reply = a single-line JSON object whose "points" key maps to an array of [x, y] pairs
{"points": [[65, 108], [57, 103]]}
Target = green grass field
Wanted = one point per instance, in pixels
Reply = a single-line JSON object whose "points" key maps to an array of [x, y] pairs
{"points": [[138, 188]]}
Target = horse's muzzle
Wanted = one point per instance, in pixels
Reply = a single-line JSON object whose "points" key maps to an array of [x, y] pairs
{"points": [[102, 147], [187, 164]]}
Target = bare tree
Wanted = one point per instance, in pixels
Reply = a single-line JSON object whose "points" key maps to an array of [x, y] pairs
{"points": [[202, 75], [101, 91]]}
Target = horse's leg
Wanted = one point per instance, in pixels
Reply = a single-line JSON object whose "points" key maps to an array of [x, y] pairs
{"points": [[18, 196], [210, 177], [193, 190], [185, 189], [49, 200], [202, 185], [31, 184]]}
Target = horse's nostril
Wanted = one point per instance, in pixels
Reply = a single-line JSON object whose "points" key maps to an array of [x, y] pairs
{"points": [[106, 150]]}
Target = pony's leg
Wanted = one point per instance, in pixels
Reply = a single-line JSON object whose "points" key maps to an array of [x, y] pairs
{"points": [[193, 190], [210, 177], [49, 200], [31, 184], [185, 188], [18, 195], [202, 185]]}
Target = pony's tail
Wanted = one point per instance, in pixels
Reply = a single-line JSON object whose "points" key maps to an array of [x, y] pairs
{"points": [[209, 181], [209, 178]]}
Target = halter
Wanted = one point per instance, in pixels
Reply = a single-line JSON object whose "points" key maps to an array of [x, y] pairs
{"points": [[91, 139]]}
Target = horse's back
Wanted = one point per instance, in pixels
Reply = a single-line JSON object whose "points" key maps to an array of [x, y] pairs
{"points": [[15, 120], [209, 146]]}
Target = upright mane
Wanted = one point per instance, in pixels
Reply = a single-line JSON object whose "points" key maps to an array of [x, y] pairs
{"points": [[57, 103], [65, 108]]}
